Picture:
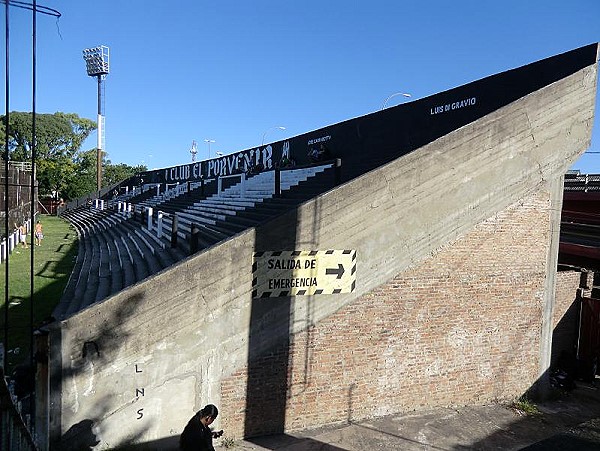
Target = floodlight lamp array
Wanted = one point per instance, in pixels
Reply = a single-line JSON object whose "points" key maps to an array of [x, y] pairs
{"points": [[96, 60]]}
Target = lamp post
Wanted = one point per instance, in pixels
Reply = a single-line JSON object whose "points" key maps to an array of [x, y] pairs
{"points": [[403, 94], [96, 63], [269, 129], [208, 141]]}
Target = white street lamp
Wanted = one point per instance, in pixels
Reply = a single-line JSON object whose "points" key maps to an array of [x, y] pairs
{"points": [[403, 94], [272, 128], [208, 141]]}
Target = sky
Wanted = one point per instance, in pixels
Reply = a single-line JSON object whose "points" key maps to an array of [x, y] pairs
{"points": [[236, 71]]}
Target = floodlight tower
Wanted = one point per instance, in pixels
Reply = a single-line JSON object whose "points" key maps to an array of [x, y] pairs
{"points": [[96, 64]]}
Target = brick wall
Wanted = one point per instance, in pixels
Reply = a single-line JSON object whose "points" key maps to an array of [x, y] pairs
{"points": [[567, 283], [462, 327], [565, 315]]}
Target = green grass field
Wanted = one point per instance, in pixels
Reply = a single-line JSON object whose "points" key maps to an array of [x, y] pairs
{"points": [[52, 265]]}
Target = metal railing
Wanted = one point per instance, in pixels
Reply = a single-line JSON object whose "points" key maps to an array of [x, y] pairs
{"points": [[14, 435]]}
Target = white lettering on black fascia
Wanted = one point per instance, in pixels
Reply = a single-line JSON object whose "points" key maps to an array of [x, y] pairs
{"points": [[453, 106], [318, 140]]}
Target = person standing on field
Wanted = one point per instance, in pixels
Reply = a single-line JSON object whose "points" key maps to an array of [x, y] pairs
{"points": [[39, 233]]}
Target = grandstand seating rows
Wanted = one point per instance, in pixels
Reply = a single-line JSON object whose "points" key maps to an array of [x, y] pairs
{"points": [[118, 249]]}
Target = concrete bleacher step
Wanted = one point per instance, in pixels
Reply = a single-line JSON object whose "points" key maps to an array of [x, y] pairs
{"points": [[167, 253], [85, 292], [214, 214], [117, 282], [252, 215], [105, 270], [163, 251], [158, 202], [216, 201], [115, 253], [147, 244], [119, 251], [247, 222], [69, 291], [229, 227]]}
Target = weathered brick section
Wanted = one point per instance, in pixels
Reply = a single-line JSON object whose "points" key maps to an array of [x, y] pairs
{"points": [[567, 283], [565, 315], [462, 327]]}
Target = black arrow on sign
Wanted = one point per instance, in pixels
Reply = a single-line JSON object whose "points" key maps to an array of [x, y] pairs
{"points": [[339, 271]]}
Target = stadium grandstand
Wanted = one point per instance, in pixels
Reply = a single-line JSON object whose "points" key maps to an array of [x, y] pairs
{"points": [[404, 259]]}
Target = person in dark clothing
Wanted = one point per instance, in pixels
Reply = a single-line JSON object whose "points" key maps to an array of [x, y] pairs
{"points": [[197, 436]]}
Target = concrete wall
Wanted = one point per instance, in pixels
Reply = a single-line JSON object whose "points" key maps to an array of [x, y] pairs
{"points": [[139, 364]]}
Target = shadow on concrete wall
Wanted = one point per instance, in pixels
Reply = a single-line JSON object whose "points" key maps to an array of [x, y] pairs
{"points": [[270, 318], [79, 437], [268, 382], [96, 351]]}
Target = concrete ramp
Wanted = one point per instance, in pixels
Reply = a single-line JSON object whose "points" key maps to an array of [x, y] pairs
{"points": [[456, 244]]}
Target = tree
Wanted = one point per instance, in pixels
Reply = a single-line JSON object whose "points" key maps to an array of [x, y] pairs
{"points": [[59, 137], [63, 170], [116, 173], [82, 180]]}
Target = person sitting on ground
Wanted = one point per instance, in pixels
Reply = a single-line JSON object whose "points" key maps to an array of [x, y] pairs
{"points": [[197, 436]]}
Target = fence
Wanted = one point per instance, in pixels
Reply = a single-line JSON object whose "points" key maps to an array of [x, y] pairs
{"points": [[14, 435]]}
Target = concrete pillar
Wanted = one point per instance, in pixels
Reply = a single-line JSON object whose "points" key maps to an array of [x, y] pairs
{"points": [[174, 231], [219, 186], [149, 213], [158, 189], [542, 388], [277, 189], [194, 239], [243, 184], [159, 224], [337, 172]]}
